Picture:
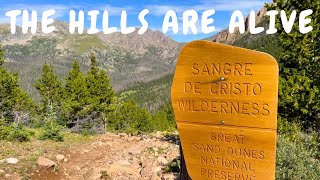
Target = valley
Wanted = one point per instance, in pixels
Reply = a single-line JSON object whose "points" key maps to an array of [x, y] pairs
{"points": [[155, 94], [128, 59], [81, 129], [140, 67]]}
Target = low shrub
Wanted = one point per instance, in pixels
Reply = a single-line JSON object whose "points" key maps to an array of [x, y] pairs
{"points": [[52, 131], [173, 166], [14, 132], [130, 118], [299, 158]]}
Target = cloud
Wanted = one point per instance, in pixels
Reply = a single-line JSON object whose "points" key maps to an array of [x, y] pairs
{"points": [[218, 5], [62, 10]]}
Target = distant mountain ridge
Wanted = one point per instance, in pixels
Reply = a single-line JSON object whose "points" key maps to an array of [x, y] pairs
{"points": [[132, 41], [128, 59], [140, 66], [226, 37], [161, 87]]}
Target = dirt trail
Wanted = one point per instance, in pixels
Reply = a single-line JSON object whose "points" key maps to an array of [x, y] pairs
{"points": [[115, 157]]}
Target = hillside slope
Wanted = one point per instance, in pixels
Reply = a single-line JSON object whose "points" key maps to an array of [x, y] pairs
{"points": [[157, 93], [151, 95], [128, 59], [141, 67]]}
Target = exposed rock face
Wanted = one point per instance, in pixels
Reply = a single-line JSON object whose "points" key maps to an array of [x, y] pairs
{"points": [[140, 43], [228, 38], [133, 41]]}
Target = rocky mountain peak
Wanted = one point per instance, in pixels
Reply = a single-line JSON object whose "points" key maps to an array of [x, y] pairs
{"points": [[139, 43], [228, 38]]}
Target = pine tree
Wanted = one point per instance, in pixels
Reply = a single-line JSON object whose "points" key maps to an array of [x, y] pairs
{"points": [[101, 95], [49, 88], [299, 91], [92, 80], [76, 93], [93, 66], [8, 93], [1, 56], [12, 98]]}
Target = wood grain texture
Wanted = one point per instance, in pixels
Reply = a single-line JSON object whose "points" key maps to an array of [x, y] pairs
{"points": [[213, 158], [232, 92]]}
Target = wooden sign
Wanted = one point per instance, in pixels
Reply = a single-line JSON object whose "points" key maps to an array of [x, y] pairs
{"points": [[225, 103]]}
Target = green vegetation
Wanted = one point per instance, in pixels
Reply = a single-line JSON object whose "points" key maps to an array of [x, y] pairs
{"points": [[125, 67], [299, 91], [299, 158], [83, 43], [14, 132], [50, 89], [129, 118], [1, 57], [173, 166], [36, 48], [75, 94], [85, 103], [27, 59], [152, 95], [13, 101], [51, 130], [12, 98], [303, 160], [79, 97], [266, 43], [84, 100], [14, 107], [299, 97], [163, 119]]}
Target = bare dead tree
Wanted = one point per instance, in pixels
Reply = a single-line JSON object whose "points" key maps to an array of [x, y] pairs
{"points": [[21, 117]]}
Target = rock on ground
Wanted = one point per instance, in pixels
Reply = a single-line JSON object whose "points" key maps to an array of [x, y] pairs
{"points": [[60, 157], [44, 162], [116, 157], [12, 160]]}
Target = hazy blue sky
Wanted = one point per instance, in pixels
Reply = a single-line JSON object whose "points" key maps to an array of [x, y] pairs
{"points": [[158, 8]]}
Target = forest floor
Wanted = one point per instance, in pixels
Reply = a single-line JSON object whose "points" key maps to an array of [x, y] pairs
{"points": [[109, 156]]}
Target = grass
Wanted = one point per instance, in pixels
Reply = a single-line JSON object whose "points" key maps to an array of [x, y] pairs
{"points": [[29, 152], [83, 43], [160, 150]]}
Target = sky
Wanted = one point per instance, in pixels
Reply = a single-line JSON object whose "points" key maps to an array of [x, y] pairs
{"points": [[158, 8]]}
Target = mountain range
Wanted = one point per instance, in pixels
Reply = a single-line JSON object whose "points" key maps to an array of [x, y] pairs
{"points": [[140, 66], [128, 59]]}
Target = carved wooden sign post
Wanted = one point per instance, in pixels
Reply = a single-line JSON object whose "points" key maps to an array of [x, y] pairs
{"points": [[225, 103]]}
